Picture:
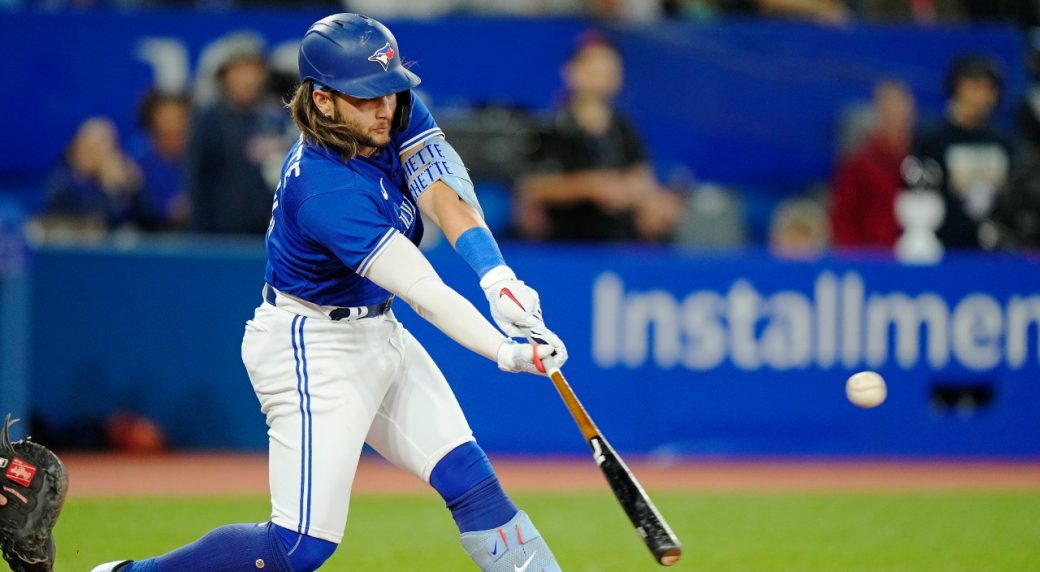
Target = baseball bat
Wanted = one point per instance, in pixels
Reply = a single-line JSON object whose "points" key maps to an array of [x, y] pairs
{"points": [[649, 523]]}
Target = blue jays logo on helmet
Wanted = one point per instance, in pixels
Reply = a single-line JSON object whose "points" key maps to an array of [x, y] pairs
{"points": [[383, 56]]}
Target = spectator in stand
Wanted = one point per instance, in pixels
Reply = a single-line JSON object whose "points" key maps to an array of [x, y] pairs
{"points": [[798, 229], [235, 143], [974, 156], [594, 183], [862, 206], [97, 186], [1017, 217], [165, 118]]}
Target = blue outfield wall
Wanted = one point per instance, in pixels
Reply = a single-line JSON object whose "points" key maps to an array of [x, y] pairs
{"points": [[672, 352], [14, 322]]}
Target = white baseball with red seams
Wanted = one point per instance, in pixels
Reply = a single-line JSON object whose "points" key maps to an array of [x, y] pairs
{"points": [[866, 389]]}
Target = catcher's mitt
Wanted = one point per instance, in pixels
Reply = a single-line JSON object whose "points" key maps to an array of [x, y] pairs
{"points": [[33, 481]]}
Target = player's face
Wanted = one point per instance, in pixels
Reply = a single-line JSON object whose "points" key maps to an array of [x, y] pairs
{"points": [[368, 119]]}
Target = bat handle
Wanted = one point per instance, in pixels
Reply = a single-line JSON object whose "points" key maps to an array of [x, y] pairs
{"points": [[577, 410], [551, 367]]}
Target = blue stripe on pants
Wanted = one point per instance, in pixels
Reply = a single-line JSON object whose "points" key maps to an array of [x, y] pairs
{"points": [[302, 382], [310, 428]]}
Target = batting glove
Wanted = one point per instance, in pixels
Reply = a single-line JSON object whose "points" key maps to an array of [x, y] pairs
{"points": [[514, 305], [545, 337], [516, 357]]}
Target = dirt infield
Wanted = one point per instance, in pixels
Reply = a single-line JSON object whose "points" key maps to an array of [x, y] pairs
{"points": [[230, 473]]}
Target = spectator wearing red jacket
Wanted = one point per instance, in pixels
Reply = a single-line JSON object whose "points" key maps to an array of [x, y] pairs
{"points": [[862, 209]]}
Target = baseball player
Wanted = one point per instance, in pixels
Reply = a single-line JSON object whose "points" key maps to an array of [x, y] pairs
{"points": [[331, 366]]}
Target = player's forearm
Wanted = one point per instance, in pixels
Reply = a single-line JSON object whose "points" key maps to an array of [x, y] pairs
{"points": [[463, 228], [445, 308], [442, 206], [403, 270]]}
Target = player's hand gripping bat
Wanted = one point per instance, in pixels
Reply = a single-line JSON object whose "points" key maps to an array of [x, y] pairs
{"points": [[649, 523]]}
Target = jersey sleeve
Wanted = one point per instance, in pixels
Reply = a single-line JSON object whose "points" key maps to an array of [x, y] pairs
{"points": [[421, 127], [351, 227]]}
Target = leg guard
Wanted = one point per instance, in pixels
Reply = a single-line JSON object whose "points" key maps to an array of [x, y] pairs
{"points": [[514, 546]]}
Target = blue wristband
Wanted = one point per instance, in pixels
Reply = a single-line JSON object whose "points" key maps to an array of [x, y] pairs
{"points": [[478, 248]]}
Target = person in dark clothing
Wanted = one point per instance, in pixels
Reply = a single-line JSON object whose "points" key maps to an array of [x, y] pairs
{"points": [[164, 118], [975, 157], [233, 143], [97, 187], [594, 182], [1017, 216]]}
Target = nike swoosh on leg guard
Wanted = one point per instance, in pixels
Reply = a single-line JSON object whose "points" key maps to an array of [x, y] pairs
{"points": [[516, 546], [526, 564]]}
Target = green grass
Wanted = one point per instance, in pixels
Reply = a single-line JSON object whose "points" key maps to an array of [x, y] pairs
{"points": [[814, 532]]}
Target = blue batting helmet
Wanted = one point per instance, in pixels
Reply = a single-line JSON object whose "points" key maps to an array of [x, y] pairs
{"points": [[355, 55]]}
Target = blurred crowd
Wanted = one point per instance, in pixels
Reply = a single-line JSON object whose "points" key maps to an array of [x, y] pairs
{"points": [[834, 12], [206, 160]]}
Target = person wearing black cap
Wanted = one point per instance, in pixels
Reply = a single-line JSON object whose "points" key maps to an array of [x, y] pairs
{"points": [[974, 155]]}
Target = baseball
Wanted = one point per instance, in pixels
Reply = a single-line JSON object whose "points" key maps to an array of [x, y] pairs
{"points": [[866, 389]]}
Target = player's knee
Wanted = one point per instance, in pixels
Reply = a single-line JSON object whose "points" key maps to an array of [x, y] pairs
{"points": [[305, 553], [460, 471], [310, 554], [466, 481]]}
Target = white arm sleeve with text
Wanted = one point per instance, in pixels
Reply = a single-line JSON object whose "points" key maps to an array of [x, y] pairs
{"points": [[402, 269]]}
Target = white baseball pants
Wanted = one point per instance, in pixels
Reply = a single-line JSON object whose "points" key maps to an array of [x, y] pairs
{"points": [[328, 387]]}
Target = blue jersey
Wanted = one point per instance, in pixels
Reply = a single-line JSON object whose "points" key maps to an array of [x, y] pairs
{"points": [[331, 217]]}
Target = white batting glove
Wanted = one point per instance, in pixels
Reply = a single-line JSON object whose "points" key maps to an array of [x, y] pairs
{"points": [[516, 357], [545, 337], [516, 309], [514, 305]]}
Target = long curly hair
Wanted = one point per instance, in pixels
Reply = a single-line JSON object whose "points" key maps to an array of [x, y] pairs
{"points": [[318, 129]]}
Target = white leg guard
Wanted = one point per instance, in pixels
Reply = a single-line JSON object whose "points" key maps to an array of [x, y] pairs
{"points": [[516, 546]]}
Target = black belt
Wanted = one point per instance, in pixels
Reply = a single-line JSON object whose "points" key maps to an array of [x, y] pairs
{"points": [[344, 313]]}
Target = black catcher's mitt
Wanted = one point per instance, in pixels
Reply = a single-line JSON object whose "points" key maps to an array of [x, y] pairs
{"points": [[34, 482]]}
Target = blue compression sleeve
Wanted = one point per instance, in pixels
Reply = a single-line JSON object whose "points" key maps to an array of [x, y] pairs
{"points": [[478, 248], [305, 553], [234, 548], [467, 483]]}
